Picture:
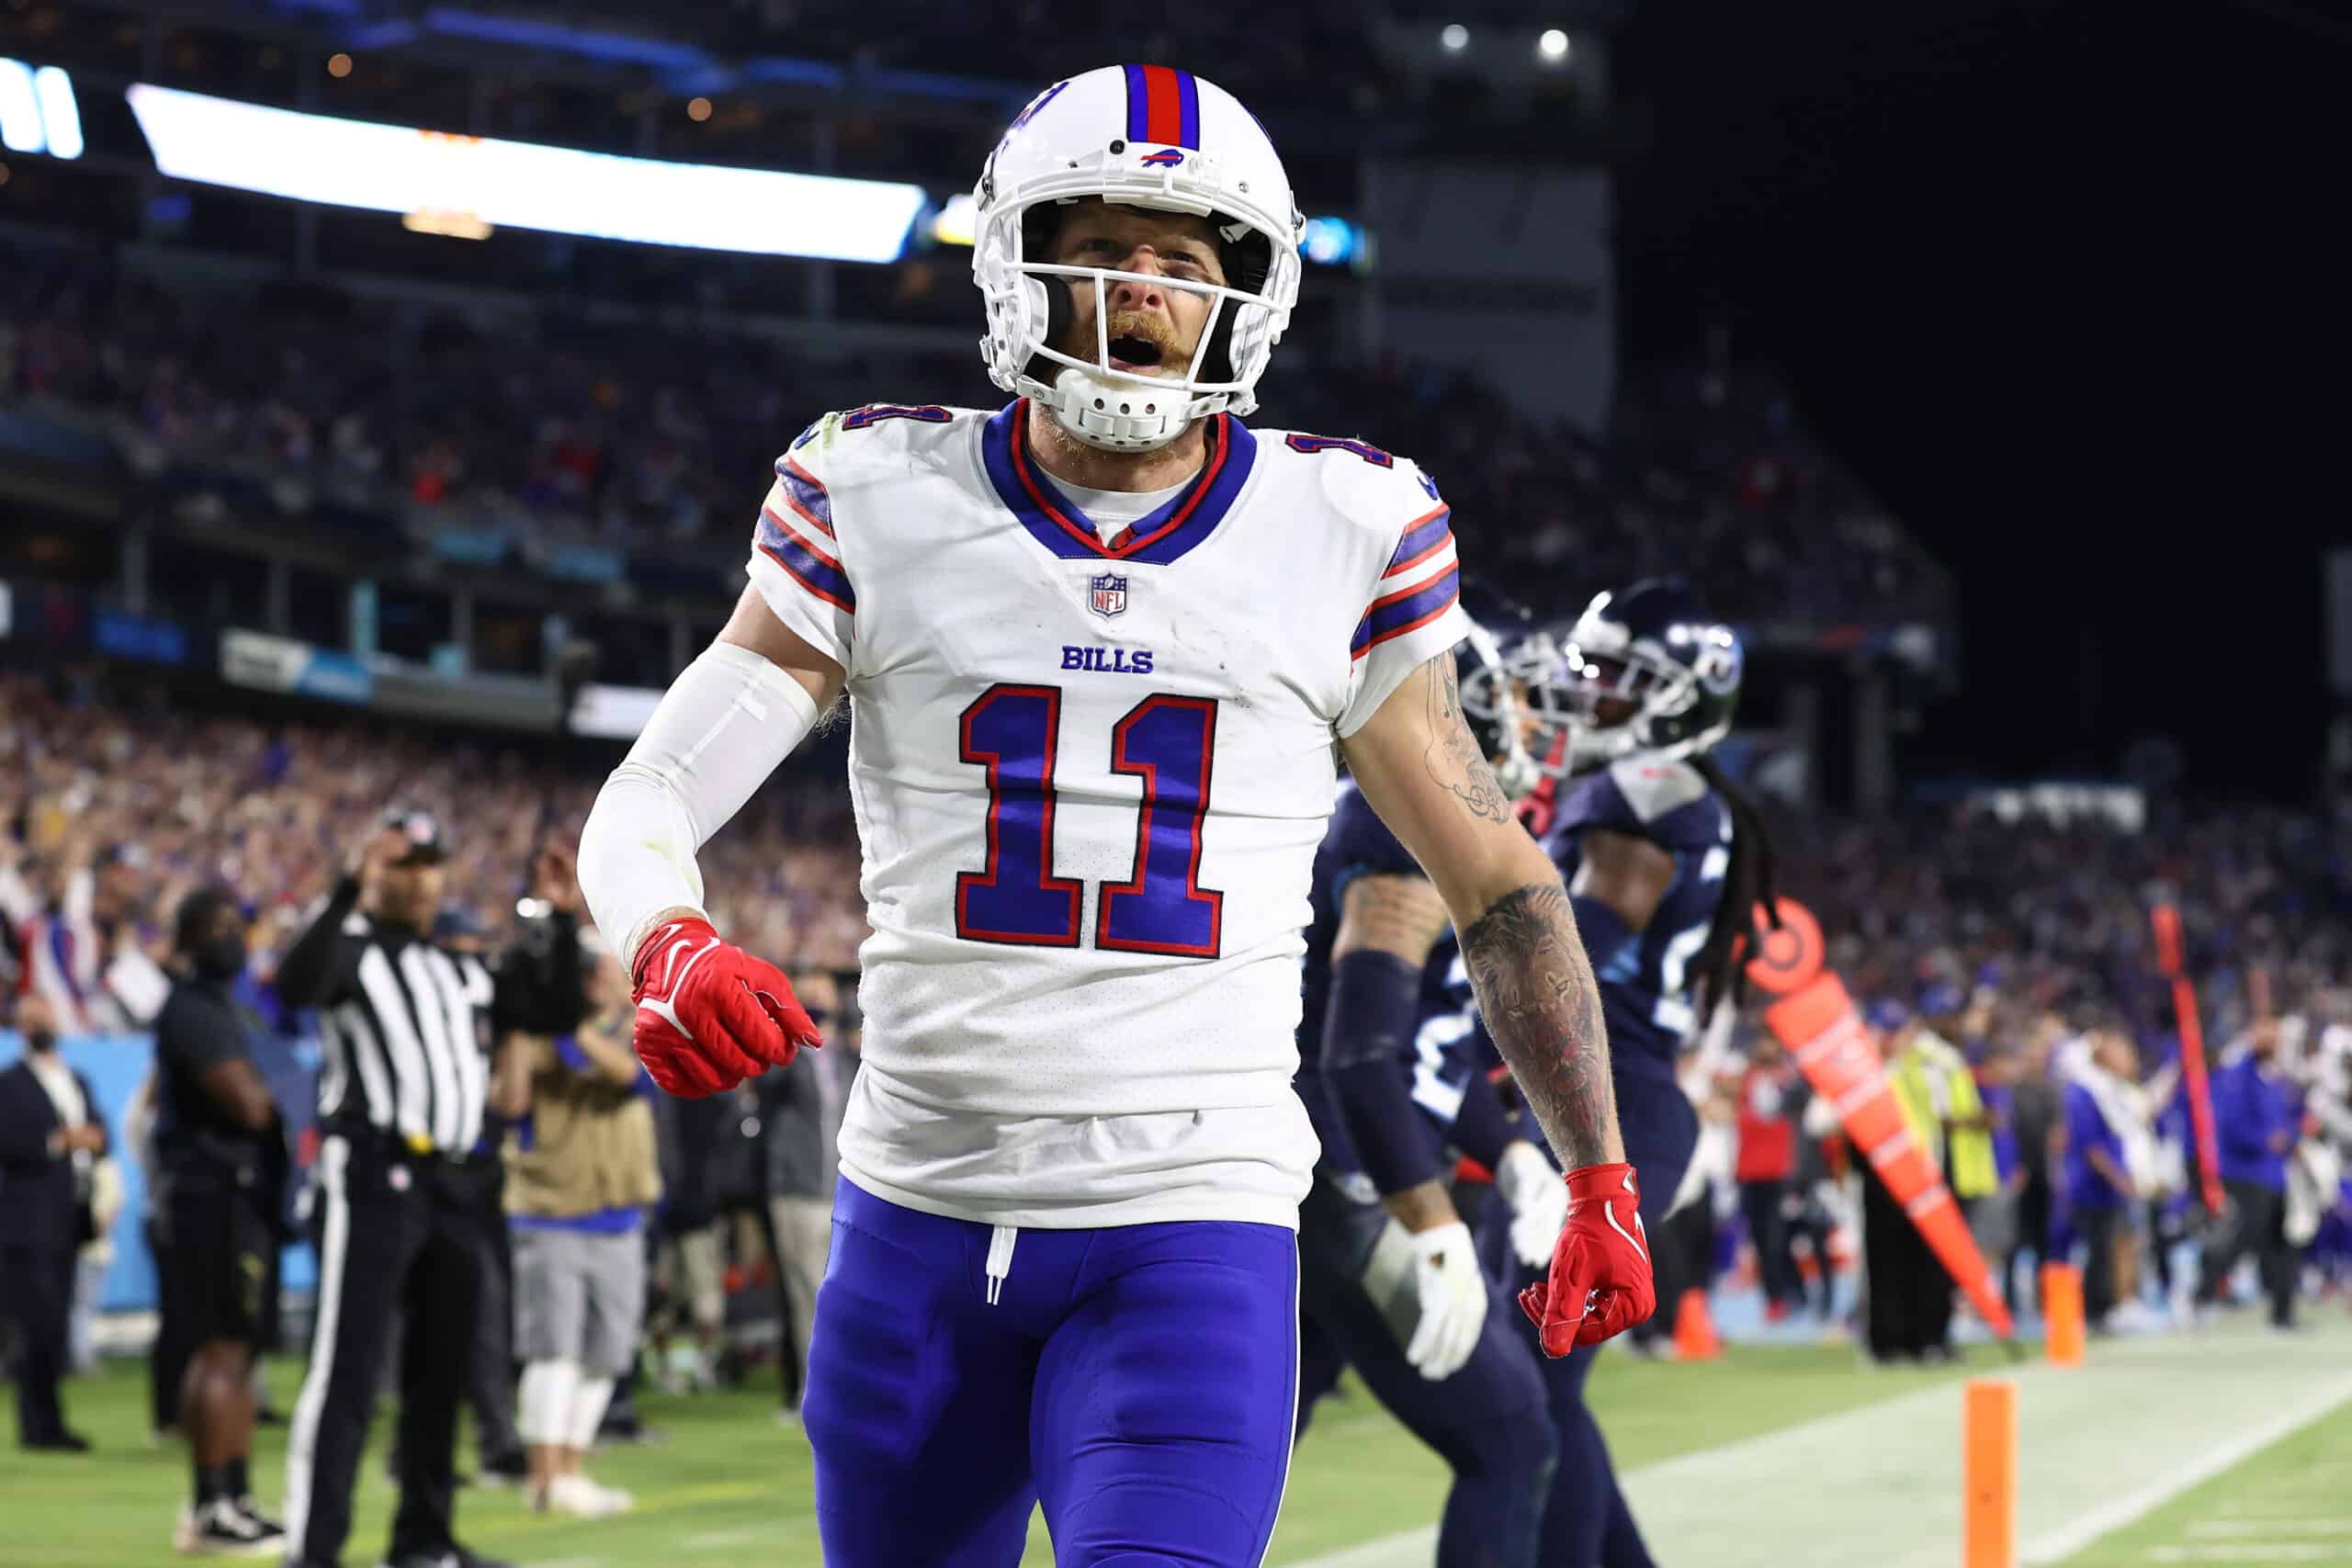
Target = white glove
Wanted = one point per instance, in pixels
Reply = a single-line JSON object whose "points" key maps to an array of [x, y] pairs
{"points": [[1453, 1296], [1539, 1202]]}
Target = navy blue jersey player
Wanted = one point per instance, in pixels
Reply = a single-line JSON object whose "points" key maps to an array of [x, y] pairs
{"points": [[1388, 1277], [1665, 863]]}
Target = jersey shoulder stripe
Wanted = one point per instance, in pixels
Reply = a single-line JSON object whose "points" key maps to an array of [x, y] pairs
{"points": [[805, 494], [1409, 609], [1424, 537], [1387, 496], [804, 560]]}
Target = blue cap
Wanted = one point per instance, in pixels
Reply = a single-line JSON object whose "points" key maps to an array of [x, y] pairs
{"points": [[1887, 1014]]}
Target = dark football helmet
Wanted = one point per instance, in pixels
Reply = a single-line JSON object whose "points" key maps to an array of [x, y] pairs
{"points": [[1486, 662], [1647, 670]]}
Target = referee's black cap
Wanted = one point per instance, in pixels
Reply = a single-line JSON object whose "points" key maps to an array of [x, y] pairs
{"points": [[422, 830]]}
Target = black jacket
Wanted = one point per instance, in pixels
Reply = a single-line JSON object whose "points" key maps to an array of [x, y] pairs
{"points": [[40, 1209]]}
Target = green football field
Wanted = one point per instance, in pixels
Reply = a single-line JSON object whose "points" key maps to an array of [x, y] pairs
{"points": [[2290, 1502], [1709, 1450]]}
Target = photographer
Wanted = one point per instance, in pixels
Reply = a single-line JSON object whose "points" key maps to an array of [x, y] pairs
{"points": [[577, 1191], [220, 1160], [406, 1025]]}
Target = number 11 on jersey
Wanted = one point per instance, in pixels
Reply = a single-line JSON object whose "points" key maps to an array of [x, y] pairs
{"points": [[1169, 743]]}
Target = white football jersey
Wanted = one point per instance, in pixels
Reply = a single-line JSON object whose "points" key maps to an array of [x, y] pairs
{"points": [[1090, 779]]}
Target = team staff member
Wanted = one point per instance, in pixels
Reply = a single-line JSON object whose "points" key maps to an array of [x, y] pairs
{"points": [[405, 1024], [220, 1169], [49, 1138], [579, 1181], [2259, 1112]]}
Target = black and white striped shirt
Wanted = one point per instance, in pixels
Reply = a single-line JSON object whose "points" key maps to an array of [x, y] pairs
{"points": [[405, 1026]]}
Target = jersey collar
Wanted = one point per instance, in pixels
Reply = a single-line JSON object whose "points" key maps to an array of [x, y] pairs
{"points": [[1157, 538]]}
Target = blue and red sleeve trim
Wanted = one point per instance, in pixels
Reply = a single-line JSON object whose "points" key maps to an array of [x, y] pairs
{"points": [[1407, 610], [805, 496], [804, 560], [1424, 537]]}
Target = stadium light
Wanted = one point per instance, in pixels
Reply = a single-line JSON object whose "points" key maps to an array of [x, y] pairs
{"points": [[1456, 37], [457, 181], [20, 127], [1328, 241], [37, 113], [958, 223], [1553, 45], [61, 115]]}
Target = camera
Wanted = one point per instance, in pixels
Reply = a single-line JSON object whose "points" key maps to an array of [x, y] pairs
{"points": [[540, 985]]}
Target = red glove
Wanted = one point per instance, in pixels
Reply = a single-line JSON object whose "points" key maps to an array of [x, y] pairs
{"points": [[1600, 1283], [710, 1015]]}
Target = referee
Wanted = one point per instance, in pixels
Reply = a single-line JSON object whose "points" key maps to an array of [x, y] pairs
{"points": [[406, 1027]]}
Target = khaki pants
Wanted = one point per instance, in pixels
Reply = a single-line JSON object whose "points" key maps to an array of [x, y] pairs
{"points": [[804, 1230], [691, 1273]]}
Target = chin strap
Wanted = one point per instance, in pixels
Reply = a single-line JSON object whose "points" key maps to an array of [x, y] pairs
{"points": [[1118, 416]]}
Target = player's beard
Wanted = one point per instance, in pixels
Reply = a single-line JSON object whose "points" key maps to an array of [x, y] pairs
{"points": [[1155, 330]]}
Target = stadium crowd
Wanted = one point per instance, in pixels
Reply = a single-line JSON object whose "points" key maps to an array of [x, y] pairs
{"points": [[2019, 944], [2011, 986], [117, 812], [592, 437]]}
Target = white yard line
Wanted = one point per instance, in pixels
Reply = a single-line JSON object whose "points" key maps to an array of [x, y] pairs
{"points": [[2274, 1524], [2056, 1545], [2141, 1408], [2239, 1553]]}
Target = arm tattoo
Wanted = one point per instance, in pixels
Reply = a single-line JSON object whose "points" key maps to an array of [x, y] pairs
{"points": [[1454, 759], [1536, 992]]}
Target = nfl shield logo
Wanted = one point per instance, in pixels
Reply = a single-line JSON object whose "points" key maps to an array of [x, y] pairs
{"points": [[1110, 595]]}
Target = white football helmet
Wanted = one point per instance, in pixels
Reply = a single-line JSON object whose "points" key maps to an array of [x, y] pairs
{"points": [[1138, 136]]}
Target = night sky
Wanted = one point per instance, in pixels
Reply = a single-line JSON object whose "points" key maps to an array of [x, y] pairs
{"points": [[2055, 280]]}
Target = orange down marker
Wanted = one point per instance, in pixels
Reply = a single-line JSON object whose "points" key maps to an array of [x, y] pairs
{"points": [[2193, 1081], [2062, 1313], [1815, 1019], [1989, 1474]]}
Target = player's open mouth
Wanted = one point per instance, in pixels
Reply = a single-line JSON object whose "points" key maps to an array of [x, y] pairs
{"points": [[1134, 354]]}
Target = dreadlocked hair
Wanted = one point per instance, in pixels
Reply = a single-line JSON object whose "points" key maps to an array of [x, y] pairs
{"points": [[1720, 967]]}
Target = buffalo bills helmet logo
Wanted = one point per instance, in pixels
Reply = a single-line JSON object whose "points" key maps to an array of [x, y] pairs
{"points": [[1110, 595], [1166, 158]]}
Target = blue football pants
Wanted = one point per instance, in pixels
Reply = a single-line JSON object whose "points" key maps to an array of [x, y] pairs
{"points": [[1139, 1382]]}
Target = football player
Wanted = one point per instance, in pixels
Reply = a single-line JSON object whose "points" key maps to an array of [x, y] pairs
{"points": [[1666, 863], [1102, 648], [1390, 1274]]}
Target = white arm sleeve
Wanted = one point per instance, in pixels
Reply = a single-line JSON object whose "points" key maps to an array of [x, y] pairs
{"points": [[726, 722]]}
